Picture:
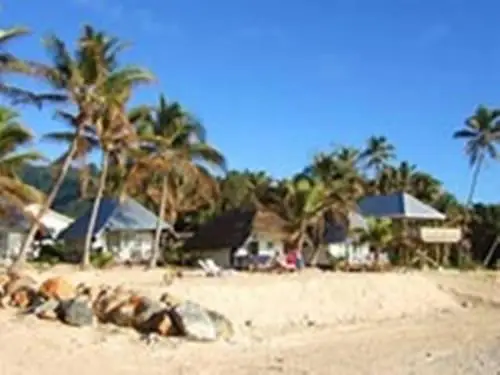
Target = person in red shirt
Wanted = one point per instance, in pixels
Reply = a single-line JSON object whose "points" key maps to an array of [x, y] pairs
{"points": [[291, 258]]}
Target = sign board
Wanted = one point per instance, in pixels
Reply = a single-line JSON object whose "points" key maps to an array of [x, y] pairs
{"points": [[440, 235]]}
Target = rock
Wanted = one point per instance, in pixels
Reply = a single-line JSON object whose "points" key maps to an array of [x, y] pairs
{"points": [[223, 326], [122, 315], [161, 324], [16, 282], [19, 287], [83, 289], [48, 309], [194, 322], [109, 301], [146, 310], [164, 325], [170, 300], [57, 288], [76, 312], [23, 297], [146, 315]]}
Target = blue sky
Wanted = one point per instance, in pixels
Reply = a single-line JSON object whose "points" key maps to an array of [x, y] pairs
{"points": [[275, 81]]}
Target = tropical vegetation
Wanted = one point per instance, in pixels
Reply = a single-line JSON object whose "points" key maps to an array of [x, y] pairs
{"points": [[159, 153]]}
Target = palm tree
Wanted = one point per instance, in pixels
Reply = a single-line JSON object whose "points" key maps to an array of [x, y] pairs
{"points": [[304, 203], [113, 131], [14, 135], [12, 64], [80, 78], [177, 144], [338, 166], [481, 134], [378, 234], [425, 187], [79, 148], [236, 191], [378, 153]]}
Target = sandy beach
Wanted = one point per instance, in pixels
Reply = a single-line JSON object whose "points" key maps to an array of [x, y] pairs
{"points": [[309, 323]]}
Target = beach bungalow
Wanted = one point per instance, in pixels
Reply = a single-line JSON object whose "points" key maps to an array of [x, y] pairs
{"points": [[124, 228], [14, 225], [52, 220], [230, 238], [338, 242]]}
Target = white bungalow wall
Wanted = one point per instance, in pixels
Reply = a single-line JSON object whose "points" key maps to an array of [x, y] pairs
{"points": [[10, 244], [339, 250], [130, 245], [267, 244], [127, 245]]}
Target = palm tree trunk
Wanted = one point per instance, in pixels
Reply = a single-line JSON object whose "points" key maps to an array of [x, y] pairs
{"points": [[475, 176], [95, 209], [156, 244], [376, 257], [21, 257], [316, 251]]}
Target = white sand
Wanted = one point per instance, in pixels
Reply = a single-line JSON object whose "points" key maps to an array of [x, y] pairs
{"points": [[357, 328]]}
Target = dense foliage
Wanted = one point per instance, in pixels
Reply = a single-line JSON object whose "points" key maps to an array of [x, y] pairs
{"points": [[159, 154]]}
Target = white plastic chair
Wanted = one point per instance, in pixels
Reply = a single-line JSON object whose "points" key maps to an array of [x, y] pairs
{"points": [[209, 271], [213, 266]]}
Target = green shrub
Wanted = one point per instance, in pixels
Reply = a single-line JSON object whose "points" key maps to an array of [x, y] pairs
{"points": [[51, 254], [101, 259]]}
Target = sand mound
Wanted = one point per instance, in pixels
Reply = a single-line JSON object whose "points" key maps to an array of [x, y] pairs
{"points": [[322, 298], [280, 301]]}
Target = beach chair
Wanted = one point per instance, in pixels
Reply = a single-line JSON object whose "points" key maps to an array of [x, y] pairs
{"points": [[209, 271], [216, 269]]}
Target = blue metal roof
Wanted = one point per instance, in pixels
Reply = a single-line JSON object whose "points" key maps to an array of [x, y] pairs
{"points": [[114, 215], [398, 205]]}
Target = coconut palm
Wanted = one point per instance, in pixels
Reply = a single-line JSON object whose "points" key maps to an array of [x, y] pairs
{"points": [[11, 64], [481, 134], [305, 203], [378, 153], [79, 147], [82, 78], [113, 132], [14, 135], [425, 187], [237, 190], [378, 234], [339, 170], [177, 145]]}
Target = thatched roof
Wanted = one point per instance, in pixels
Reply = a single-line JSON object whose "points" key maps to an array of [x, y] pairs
{"points": [[231, 229]]}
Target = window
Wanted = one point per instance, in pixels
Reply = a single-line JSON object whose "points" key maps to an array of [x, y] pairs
{"points": [[270, 245], [253, 247]]}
